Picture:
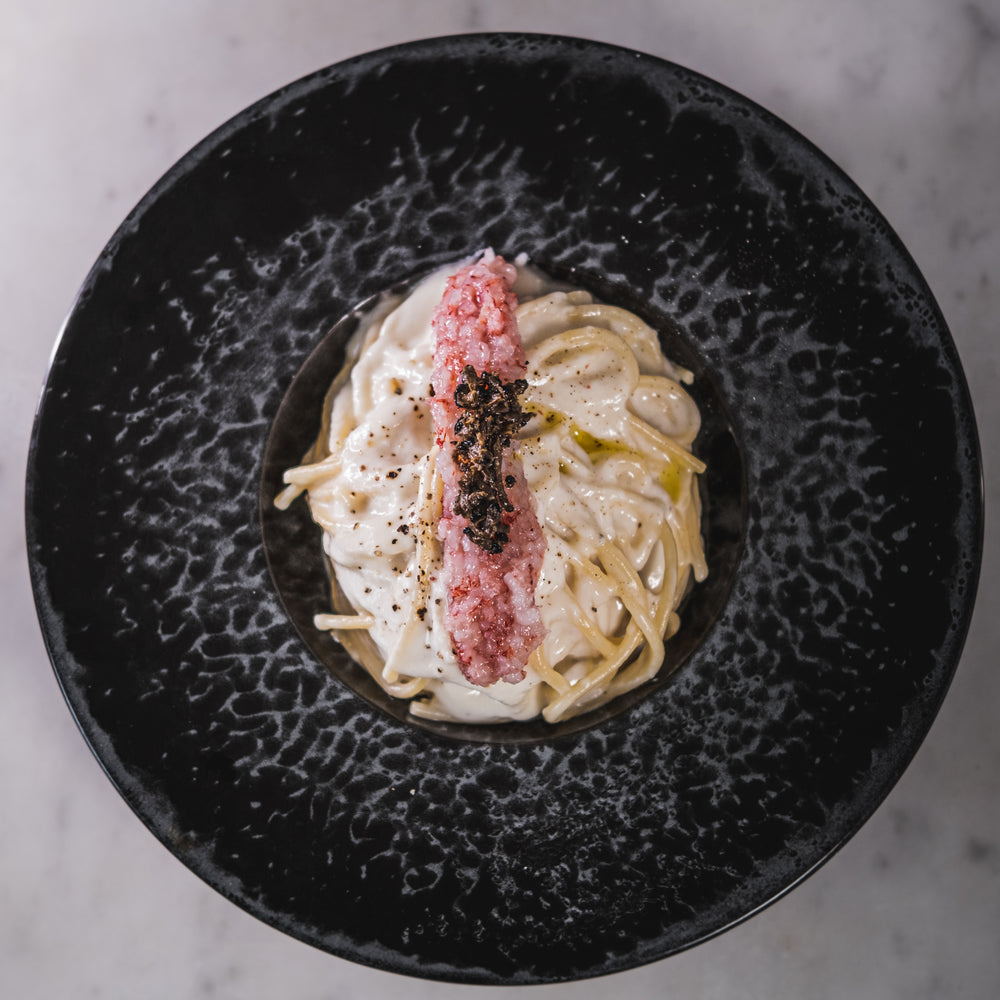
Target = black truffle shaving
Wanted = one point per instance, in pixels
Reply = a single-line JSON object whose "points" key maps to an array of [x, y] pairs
{"points": [[492, 416]]}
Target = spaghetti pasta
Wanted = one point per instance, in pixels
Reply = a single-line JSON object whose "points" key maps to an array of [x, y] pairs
{"points": [[606, 454]]}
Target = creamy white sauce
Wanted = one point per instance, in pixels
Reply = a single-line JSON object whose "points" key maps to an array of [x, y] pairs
{"points": [[382, 429]]}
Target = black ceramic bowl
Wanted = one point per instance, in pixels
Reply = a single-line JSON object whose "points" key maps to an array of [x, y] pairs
{"points": [[846, 531]]}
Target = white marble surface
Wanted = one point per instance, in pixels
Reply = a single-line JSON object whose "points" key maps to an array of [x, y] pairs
{"points": [[97, 99]]}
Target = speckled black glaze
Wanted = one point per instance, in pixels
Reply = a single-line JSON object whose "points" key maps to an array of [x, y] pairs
{"points": [[505, 862]]}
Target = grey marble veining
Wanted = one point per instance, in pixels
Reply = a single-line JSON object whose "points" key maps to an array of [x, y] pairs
{"points": [[98, 100]]}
